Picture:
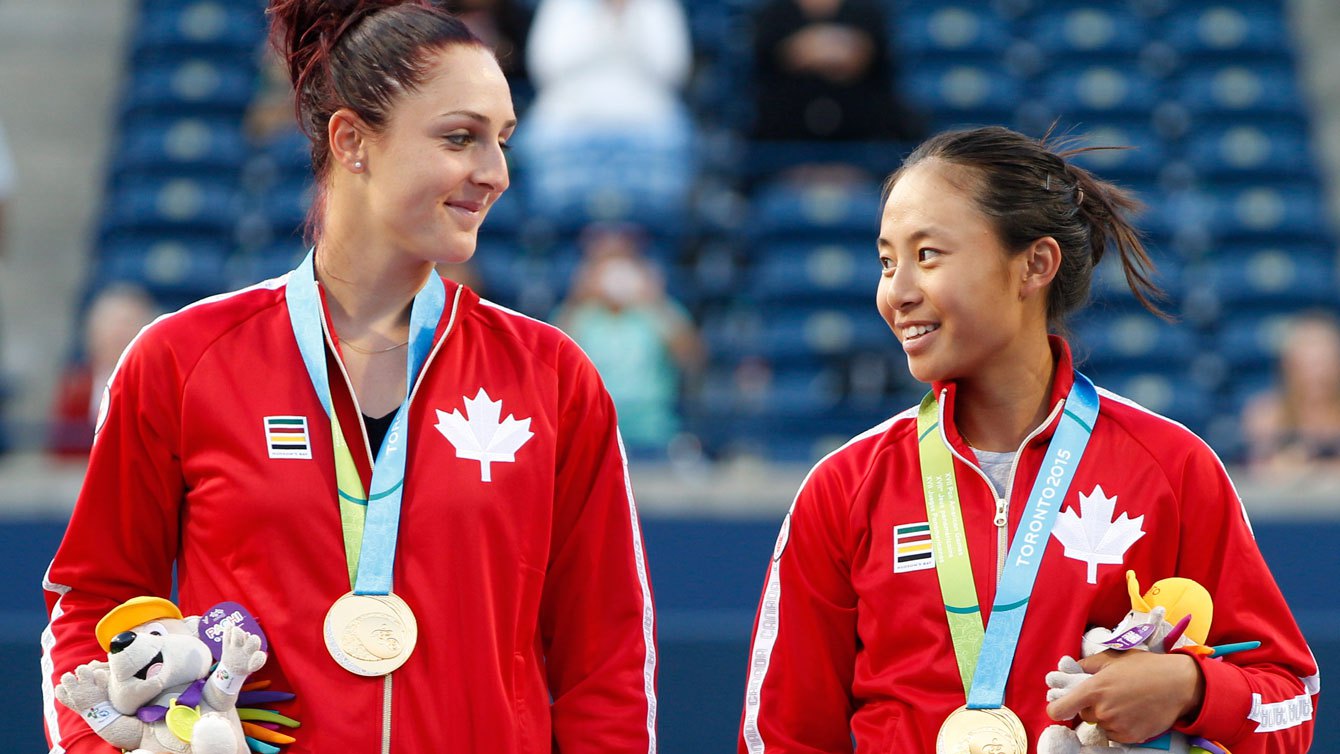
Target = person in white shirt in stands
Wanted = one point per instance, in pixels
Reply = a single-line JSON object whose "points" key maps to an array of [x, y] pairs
{"points": [[608, 121]]}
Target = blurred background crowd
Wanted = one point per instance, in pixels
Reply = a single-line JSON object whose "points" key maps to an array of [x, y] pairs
{"points": [[695, 199]]}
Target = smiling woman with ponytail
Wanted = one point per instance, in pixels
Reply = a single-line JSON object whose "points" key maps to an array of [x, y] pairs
{"points": [[934, 576], [420, 495]]}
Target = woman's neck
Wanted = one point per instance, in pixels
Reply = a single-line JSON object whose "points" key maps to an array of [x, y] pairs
{"points": [[369, 295], [996, 410]]}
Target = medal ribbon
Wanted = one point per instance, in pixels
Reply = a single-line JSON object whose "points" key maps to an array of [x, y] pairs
{"points": [[370, 522], [985, 656]]}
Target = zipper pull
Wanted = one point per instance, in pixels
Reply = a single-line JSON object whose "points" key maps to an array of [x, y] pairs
{"points": [[1001, 519]]}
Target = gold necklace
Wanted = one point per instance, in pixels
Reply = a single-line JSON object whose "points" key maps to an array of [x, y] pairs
{"points": [[372, 351]]}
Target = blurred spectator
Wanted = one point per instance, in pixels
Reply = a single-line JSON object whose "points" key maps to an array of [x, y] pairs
{"points": [[114, 317], [504, 26], [642, 342], [608, 124], [824, 71], [1296, 426]]}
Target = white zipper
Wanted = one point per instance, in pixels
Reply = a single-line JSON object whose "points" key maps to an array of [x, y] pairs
{"points": [[372, 461], [386, 714], [1002, 519]]}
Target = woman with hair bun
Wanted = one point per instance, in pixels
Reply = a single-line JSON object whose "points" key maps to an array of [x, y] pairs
{"points": [[935, 570], [420, 495]]}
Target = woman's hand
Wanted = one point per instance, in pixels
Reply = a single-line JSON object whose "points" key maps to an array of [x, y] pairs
{"points": [[1134, 696]]}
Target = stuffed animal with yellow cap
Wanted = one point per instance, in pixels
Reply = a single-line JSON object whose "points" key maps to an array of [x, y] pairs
{"points": [[172, 683], [1174, 615]]}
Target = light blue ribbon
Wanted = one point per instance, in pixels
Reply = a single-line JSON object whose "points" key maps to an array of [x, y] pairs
{"points": [[1025, 555], [382, 527]]}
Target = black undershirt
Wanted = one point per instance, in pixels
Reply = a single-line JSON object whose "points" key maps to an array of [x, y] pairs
{"points": [[377, 430]]}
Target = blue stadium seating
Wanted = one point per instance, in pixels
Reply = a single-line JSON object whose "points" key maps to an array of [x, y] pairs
{"points": [[188, 87], [1243, 92], [221, 29], [784, 209], [182, 146], [1265, 211], [1101, 91], [813, 272], [1217, 31], [960, 93], [175, 270], [1272, 277], [1221, 158], [1240, 152], [1084, 34], [191, 205], [952, 31]]}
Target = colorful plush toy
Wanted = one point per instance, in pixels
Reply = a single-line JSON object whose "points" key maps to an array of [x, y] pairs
{"points": [[1174, 615], [173, 684]]}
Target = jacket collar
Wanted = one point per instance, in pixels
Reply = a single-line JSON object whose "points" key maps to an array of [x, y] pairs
{"points": [[1063, 379]]}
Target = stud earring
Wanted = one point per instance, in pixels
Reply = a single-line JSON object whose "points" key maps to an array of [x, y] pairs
{"points": [[358, 166]]}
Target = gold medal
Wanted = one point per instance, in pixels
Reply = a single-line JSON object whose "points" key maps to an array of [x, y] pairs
{"points": [[982, 731], [370, 634]]}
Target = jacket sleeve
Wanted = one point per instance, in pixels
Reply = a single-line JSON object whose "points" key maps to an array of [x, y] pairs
{"points": [[596, 616], [1257, 701], [122, 538], [803, 654]]}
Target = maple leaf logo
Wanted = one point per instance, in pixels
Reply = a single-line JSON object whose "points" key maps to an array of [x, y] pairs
{"points": [[483, 437], [1096, 538]]}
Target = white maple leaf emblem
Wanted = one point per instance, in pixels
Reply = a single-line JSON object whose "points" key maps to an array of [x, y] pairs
{"points": [[483, 436], [1096, 538]]}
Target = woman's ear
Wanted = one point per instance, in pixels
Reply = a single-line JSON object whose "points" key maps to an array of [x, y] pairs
{"points": [[348, 139], [1042, 260]]}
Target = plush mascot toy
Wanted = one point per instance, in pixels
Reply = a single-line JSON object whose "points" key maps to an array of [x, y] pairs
{"points": [[173, 684], [1173, 616]]}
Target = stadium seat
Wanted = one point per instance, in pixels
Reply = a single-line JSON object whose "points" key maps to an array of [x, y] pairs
{"points": [[961, 32], [1249, 342], [815, 272], [1132, 341], [176, 204], [1086, 34], [1228, 32], [218, 29], [179, 146], [955, 93], [784, 209], [1242, 91], [175, 270], [1099, 92], [1249, 152], [189, 87], [794, 335], [1265, 210], [1275, 277]]}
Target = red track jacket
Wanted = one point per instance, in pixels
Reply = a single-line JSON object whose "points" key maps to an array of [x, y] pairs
{"points": [[848, 642], [529, 583]]}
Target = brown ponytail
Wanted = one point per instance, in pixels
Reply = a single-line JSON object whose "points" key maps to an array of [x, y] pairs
{"points": [[1030, 191]]}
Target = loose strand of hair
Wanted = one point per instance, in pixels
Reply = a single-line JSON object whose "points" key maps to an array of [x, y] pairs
{"points": [[1108, 208]]}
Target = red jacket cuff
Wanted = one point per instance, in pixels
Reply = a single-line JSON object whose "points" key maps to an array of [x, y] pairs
{"points": [[1227, 702]]}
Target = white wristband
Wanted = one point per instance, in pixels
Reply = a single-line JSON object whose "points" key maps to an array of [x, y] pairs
{"points": [[226, 681], [100, 716]]}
